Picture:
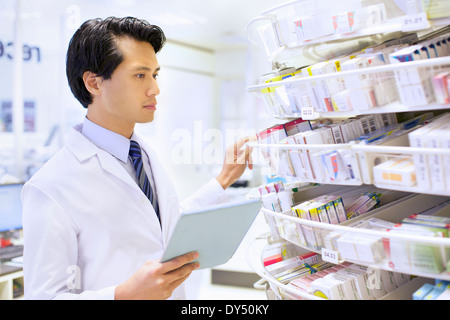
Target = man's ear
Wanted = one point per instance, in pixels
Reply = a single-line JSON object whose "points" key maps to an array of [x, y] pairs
{"points": [[92, 82]]}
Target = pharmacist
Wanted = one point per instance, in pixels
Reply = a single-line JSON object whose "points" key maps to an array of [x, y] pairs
{"points": [[97, 215]]}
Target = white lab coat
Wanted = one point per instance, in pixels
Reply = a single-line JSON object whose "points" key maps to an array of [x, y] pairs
{"points": [[87, 225]]}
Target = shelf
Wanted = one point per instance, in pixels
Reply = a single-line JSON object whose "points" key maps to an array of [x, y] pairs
{"points": [[382, 93], [286, 292], [368, 156], [297, 24], [282, 291], [394, 107], [393, 212], [410, 65], [301, 33]]}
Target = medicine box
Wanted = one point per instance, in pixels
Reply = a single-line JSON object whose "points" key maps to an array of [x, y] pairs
{"points": [[330, 240], [272, 135], [360, 88], [348, 283], [338, 206], [445, 295], [319, 87], [396, 172], [297, 261], [321, 265], [441, 85], [328, 289], [308, 211], [272, 259], [401, 278], [388, 279], [333, 166], [330, 209], [429, 223], [433, 294], [438, 164], [420, 293], [289, 275], [417, 140], [413, 257], [414, 85], [423, 137], [304, 283], [363, 204], [313, 26], [295, 158], [360, 248], [296, 126], [375, 223], [361, 278], [309, 137], [427, 217]]}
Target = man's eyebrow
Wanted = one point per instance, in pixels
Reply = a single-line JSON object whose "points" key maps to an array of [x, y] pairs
{"points": [[146, 68]]}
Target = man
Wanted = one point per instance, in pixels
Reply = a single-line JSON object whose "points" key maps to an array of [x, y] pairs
{"points": [[97, 216]]}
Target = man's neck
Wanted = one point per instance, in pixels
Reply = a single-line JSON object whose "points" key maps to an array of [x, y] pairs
{"points": [[107, 122]]}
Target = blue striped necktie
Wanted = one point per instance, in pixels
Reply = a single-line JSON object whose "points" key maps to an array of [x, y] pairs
{"points": [[144, 183]]}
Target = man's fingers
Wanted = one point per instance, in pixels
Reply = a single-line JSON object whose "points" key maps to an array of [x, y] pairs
{"points": [[179, 262], [175, 277], [244, 156], [182, 272], [176, 283], [244, 140]]}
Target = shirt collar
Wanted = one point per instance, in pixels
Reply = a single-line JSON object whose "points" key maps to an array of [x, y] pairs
{"points": [[113, 143]]}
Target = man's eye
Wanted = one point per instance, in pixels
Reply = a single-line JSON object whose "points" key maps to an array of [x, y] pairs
{"points": [[155, 76], [140, 76]]}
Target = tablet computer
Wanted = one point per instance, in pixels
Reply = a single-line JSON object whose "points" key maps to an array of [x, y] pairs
{"points": [[214, 232]]}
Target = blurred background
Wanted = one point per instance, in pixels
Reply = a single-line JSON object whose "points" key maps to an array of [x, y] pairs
{"points": [[206, 65]]}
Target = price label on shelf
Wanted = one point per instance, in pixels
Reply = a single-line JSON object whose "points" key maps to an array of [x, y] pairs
{"points": [[413, 22], [330, 255], [308, 113]]}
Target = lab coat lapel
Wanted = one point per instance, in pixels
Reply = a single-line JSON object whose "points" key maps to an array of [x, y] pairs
{"points": [[83, 149]]}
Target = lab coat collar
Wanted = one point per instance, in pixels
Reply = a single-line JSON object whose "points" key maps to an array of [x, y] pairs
{"points": [[83, 149], [79, 145]]}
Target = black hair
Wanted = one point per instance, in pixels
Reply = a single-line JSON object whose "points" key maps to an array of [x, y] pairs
{"points": [[93, 48]]}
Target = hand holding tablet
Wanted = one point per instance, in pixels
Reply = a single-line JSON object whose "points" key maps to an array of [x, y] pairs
{"points": [[215, 232]]}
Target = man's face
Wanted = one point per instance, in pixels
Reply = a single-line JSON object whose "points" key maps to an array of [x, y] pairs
{"points": [[129, 96]]}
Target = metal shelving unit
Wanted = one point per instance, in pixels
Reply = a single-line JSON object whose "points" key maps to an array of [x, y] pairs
{"points": [[285, 48]]}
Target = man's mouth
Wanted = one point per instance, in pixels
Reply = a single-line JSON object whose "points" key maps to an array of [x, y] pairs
{"points": [[150, 106]]}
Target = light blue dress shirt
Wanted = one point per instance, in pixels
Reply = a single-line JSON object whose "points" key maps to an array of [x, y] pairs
{"points": [[118, 146]]}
